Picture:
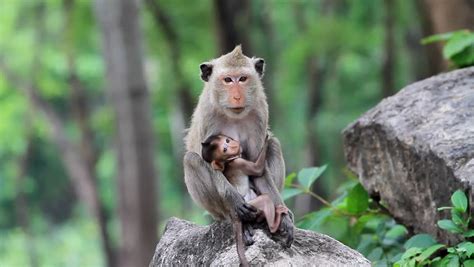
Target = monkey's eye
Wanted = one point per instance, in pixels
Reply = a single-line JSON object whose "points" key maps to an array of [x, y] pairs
{"points": [[227, 140], [225, 149], [227, 79], [243, 79]]}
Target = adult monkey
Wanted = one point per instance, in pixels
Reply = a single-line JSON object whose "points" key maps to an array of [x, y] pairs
{"points": [[233, 103]]}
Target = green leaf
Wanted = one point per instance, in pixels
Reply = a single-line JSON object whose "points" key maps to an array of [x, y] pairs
{"points": [[468, 247], [396, 257], [357, 200], [444, 261], [469, 233], [411, 252], [314, 220], [428, 252], [375, 254], [290, 192], [457, 43], [366, 244], [454, 262], [396, 232], [439, 37], [456, 217], [468, 263], [308, 176], [464, 58], [459, 199], [289, 179], [450, 226], [420, 241]]}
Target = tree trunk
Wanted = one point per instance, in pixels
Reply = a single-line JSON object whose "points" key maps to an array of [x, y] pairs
{"points": [[316, 76], [180, 114], [388, 65], [232, 20], [122, 48], [440, 16], [267, 47], [81, 114]]}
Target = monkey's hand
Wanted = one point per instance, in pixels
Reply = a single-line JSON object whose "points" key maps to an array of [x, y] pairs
{"points": [[246, 212], [286, 229]]}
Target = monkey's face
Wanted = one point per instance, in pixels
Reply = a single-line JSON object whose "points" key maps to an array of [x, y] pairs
{"points": [[235, 92], [234, 80], [226, 148]]}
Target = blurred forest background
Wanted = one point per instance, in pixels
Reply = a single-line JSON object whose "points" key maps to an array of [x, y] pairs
{"points": [[95, 97]]}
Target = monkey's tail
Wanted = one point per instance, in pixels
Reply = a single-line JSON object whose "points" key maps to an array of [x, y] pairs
{"points": [[240, 243]]}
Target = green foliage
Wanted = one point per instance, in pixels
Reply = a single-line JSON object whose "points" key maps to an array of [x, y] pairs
{"points": [[352, 218], [74, 243], [458, 48], [356, 220], [422, 250]]}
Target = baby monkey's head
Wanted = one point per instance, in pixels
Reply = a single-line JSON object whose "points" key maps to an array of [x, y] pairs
{"points": [[216, 149]]}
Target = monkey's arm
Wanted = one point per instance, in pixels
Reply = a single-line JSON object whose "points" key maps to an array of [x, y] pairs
{"points": [[248, 167], [251, 168], [211, 190]]}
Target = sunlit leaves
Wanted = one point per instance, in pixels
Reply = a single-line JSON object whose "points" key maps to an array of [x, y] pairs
{"points": [[357, 200], [428, 252], [459, 201], [459, 46], [422, 249], [289, 179], [306, 177]]}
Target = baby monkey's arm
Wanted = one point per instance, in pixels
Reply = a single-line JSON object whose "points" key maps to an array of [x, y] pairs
{"points": [[252, 168]]}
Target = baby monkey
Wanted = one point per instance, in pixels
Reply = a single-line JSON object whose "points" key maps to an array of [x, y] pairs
{"points": [[225, 154]]}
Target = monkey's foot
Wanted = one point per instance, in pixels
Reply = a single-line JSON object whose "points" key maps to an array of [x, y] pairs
{"points": [[247, 234], [285, 233]]}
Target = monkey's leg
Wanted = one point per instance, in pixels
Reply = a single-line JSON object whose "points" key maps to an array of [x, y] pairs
{"points": [[265, 204], [271, 183], [211, 190]]}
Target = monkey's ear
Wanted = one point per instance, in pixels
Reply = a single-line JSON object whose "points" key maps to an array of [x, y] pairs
{"points": [[217, 165], [259, 64], [206, 71]]}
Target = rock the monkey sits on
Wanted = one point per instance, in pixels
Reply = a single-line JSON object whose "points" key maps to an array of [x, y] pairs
{"points": [[233, 103]]}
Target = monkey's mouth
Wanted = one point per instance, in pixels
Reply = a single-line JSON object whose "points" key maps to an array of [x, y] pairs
{"points": [[237, 110]]}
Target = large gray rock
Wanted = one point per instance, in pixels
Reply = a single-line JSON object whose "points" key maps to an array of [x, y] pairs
{"points": [[187, 244], [416, 148]]}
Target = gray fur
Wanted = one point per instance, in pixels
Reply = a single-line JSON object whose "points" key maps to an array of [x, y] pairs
{"points": [[209, 188]]}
